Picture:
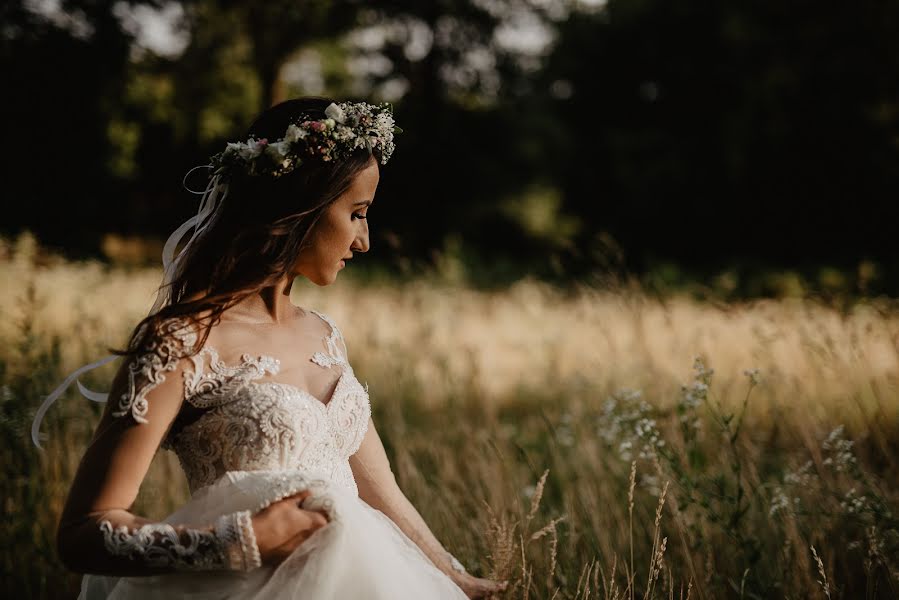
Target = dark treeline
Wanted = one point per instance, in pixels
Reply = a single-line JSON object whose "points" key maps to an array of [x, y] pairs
{"points": [[713, 136]]}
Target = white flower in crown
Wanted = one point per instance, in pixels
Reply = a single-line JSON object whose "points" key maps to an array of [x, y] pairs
{"points": [[248, 151], [335, 112], [279, 151], [343, 133], [294, 134]]}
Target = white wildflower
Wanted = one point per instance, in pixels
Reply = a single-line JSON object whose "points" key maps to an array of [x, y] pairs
{"points": [[779, 502], [645, 427], [694, 394], [800, 477], [754, 376], [854, 504], [702, 372], [628, 395], [840, 449], [624, 450], [647, 453]]}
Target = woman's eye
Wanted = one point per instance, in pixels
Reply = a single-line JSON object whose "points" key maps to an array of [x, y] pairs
{"points": [[358, 216]]}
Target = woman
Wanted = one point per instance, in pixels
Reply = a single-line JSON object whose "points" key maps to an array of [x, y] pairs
{"points": [[290, 482]]}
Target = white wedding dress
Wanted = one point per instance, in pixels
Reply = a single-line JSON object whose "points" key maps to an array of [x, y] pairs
{"points": [[258, 441]]}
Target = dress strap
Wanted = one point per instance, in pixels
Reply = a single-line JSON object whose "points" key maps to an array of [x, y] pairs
{"points": [[336, 354]]}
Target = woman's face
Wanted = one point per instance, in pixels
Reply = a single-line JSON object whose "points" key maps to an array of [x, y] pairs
{"points": [[341, 230]]}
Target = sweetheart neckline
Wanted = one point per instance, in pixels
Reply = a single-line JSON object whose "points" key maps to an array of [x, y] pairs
{"points": [[289, 386]]}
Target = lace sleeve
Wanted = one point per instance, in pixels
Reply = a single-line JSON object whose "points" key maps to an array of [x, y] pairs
{"points": [[229, 544], [97, 533], [148, 369]]}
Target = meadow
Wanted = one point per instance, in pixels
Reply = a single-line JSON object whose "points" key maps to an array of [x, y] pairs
{"points": [[580, 442]]}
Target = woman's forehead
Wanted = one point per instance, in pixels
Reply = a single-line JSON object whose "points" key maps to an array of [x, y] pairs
{"points": [[366, 181]]}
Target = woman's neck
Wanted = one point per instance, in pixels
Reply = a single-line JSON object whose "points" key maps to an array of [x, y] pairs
{"points": [[270, 306]]}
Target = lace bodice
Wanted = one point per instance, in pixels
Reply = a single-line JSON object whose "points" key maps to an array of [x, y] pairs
{"points": [[253, 424]]}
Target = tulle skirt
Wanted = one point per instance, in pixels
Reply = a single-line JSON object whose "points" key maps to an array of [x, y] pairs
{"points": [[360, 553]]}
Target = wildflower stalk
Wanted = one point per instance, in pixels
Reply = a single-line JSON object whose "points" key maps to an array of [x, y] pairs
{"points": [[823, 580], [630, 517]]}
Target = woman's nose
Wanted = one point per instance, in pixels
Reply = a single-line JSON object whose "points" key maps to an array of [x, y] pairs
{"points": [[360, 244]]}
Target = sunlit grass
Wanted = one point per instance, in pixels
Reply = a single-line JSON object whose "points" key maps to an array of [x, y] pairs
{"points": [[477, 393]]}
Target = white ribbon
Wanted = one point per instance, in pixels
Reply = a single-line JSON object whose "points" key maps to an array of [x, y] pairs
{"points": [[216, 191], [199, 222], [51, 398]]}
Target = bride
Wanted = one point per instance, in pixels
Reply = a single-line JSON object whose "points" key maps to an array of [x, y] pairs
{"points": [[292, 495]]}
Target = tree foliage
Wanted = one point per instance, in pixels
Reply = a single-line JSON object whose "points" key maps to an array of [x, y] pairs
{"points": [[705, 134]]}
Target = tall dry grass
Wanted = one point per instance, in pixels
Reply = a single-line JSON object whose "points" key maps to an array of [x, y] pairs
{"points": [[665, 479]]}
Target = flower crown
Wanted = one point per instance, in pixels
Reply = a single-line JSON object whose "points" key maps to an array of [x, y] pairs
{"points": [[347, 127]]}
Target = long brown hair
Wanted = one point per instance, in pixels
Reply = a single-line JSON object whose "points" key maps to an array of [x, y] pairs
{"points": [[256, 233]]}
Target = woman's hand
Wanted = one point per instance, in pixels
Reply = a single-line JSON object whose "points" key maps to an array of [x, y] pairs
{"points": [[475, 587], [283, 525]]}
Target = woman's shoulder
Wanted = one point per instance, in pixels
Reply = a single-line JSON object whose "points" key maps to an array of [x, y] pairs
{"points": [[325, 322], [169, 337]]}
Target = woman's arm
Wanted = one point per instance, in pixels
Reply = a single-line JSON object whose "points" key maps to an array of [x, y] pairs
{"points": [[97, 533], [378, 488]]}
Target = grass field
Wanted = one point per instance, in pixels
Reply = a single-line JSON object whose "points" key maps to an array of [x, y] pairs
{"points": [[766, 469]]}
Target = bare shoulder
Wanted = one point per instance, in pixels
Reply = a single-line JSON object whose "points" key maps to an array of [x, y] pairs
{"points": [[324, 321]]}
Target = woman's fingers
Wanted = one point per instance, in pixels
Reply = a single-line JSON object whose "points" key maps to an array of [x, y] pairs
{"points": [[299, 497], [283, 525], [483, 588]]}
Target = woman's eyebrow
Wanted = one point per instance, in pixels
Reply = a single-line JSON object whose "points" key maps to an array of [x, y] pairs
{"points": [[363, 203]]}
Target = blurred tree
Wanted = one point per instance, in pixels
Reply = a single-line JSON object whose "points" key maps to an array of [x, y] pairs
{"points": [[63, 73], [539, 136], [465, 149], [276, 28], [713, 132]]}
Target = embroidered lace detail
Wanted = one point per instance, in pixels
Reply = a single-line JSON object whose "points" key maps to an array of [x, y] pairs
{"points": [[230, 545], [235, 531], [252, 425], [205, 389], [334, 356], [148, 369]]}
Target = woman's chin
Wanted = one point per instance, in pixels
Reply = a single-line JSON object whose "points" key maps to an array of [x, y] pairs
{"points": [[321, 278], [325, 279]]}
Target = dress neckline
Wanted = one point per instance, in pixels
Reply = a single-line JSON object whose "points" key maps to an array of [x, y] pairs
{"points": [[261, 365], [326, 406]]}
